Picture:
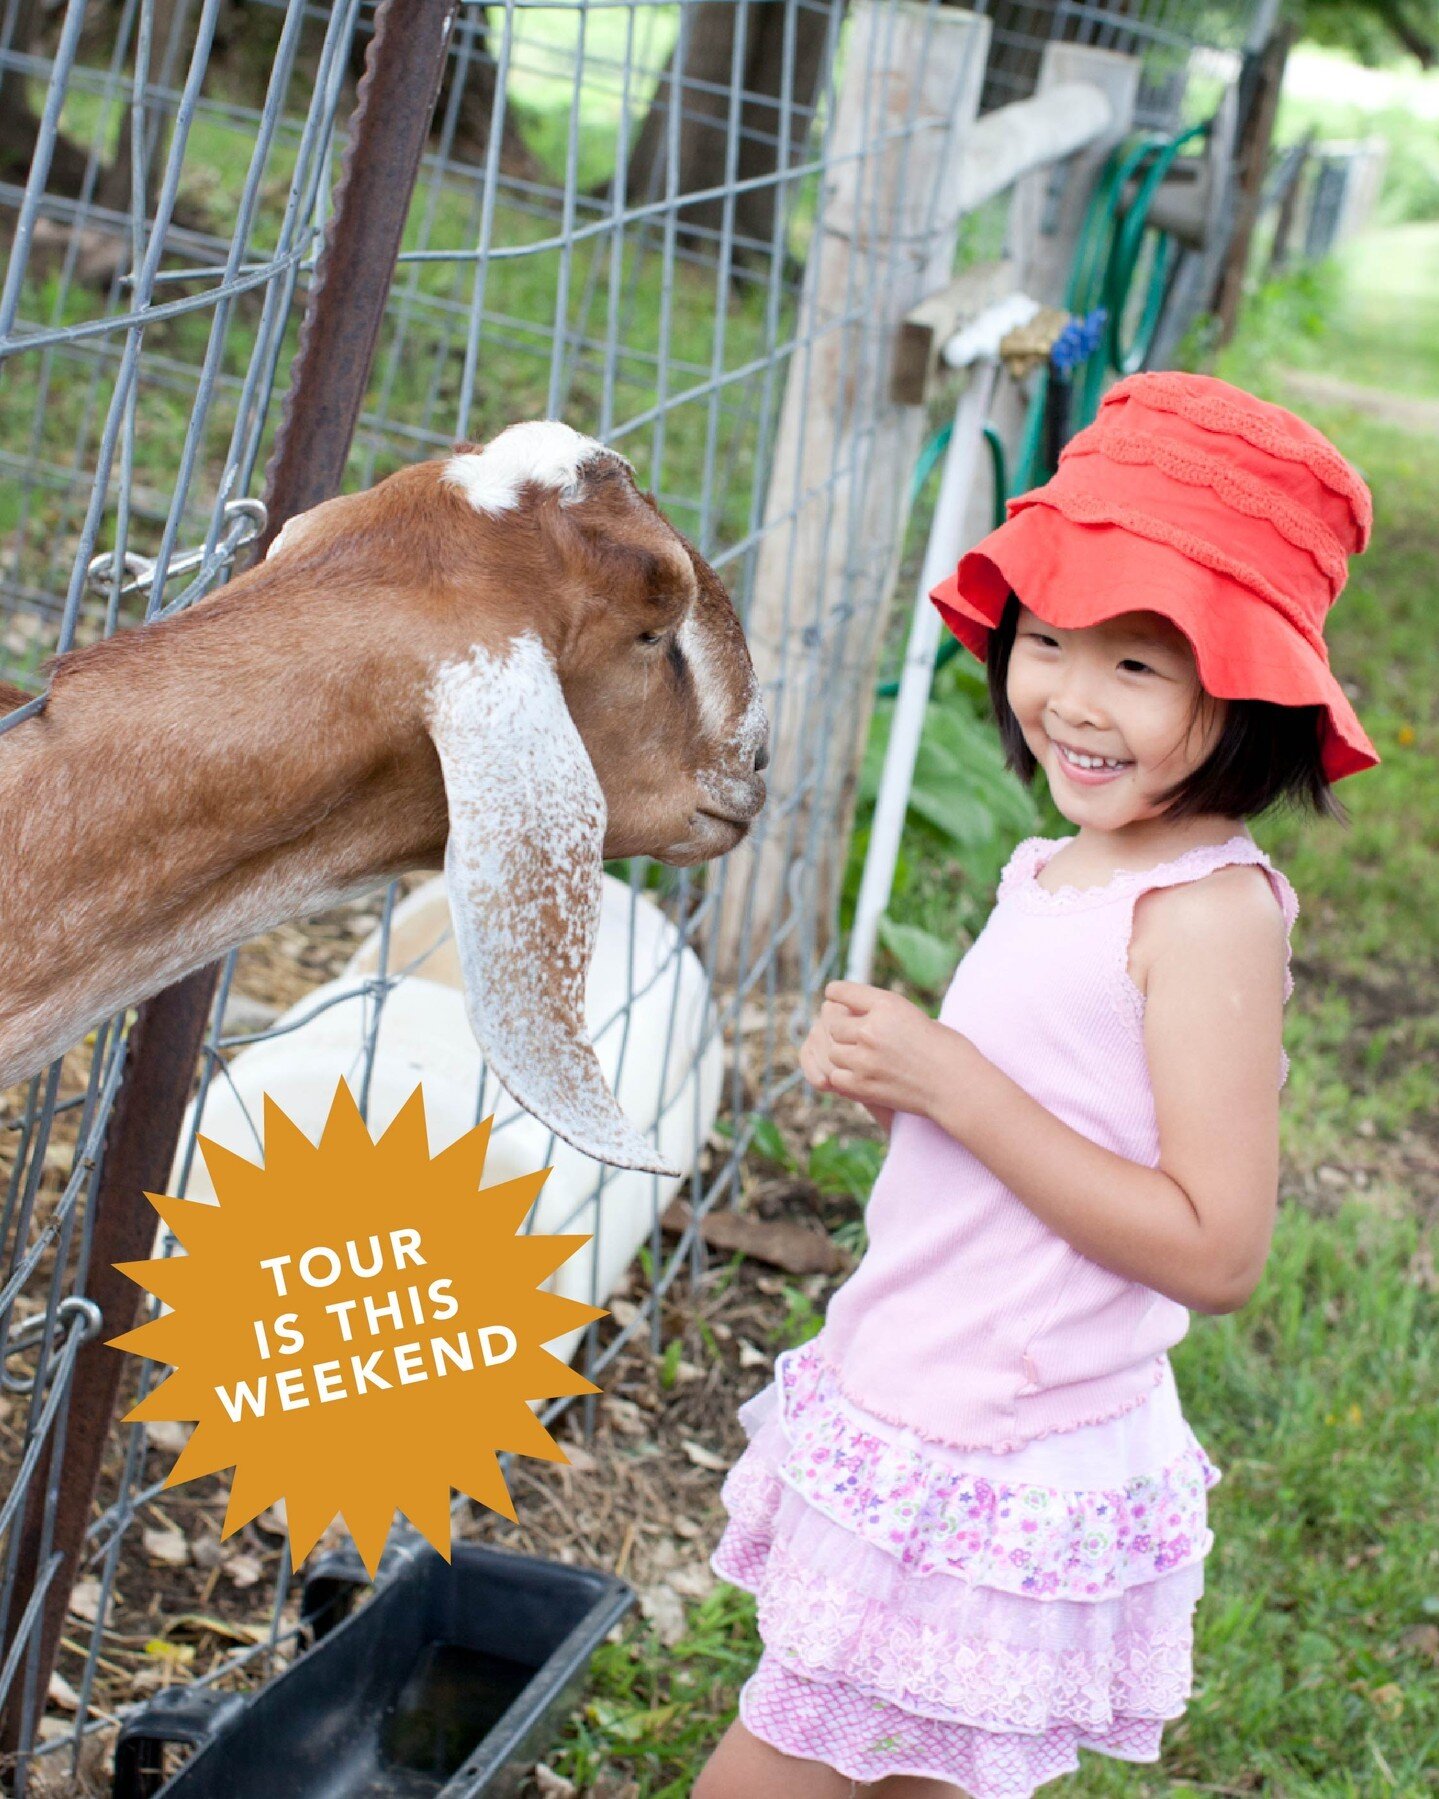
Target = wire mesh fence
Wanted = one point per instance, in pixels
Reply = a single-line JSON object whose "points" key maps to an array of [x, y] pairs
{"points": [[1316, 196], [1162, 34], [613, 223]]}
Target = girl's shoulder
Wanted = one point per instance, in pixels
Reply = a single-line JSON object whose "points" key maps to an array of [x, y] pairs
{"points": [[1228, 902], [1217, 882], [1216, 910]]}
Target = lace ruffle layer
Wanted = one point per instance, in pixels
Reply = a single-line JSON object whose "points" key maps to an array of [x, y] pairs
{"points": [[932, 1517], [834, 1610], [867, 1738]]}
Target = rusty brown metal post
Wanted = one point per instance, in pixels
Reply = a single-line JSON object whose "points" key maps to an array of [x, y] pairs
{"points": [[389, 127]]}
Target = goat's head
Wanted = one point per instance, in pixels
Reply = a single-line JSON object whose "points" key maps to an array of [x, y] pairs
{"points": [[590, 695], [646, 645]]}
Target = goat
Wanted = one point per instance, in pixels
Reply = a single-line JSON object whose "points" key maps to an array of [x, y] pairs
{"points": [[505, 663]]}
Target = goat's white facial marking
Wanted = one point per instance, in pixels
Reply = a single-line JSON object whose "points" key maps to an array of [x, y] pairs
{"points": [[523, 867], [729, 786], [696, 645], [541, 450], [752, 731]]}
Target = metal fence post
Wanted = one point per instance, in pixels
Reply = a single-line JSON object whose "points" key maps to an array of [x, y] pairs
{"points": [[390, 124]]}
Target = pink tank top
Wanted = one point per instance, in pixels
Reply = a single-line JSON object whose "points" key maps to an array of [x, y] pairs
{"points": [[968, 1319]]}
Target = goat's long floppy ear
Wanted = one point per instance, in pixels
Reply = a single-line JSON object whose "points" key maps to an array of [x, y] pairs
{"points": [[523, 868]]}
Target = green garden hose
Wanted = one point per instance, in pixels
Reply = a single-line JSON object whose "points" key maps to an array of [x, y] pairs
{"points": [[1111, 240], [929, 459]]}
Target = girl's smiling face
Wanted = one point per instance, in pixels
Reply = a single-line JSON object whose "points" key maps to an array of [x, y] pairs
{"points": [[1113, 713]]}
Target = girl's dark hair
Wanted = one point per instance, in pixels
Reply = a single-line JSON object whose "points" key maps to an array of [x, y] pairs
{"points": [[1265, 754]]}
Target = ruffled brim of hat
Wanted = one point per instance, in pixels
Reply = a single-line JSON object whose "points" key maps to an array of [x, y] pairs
{"points": [[1243, 648]]}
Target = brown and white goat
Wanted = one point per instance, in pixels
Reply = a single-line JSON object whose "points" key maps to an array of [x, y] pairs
{"points": [[505, 663]]}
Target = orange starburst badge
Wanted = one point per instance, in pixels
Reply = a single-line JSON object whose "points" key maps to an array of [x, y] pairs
{"points": [[356, 1327]]}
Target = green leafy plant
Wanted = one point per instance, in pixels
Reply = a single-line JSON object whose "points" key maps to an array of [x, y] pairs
{"points": [[802, 1319], [966, 812], [925, 960], [845, 1166], [768, 1142]]}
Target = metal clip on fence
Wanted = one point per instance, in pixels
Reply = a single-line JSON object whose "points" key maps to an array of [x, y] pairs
{"points": [[26, 1335], [245, 520]]}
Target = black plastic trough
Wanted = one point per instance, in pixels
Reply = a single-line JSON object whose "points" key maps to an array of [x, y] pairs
{"points": [[448, 1683]]}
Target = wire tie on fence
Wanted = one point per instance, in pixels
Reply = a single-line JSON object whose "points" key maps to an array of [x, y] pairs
{"points": [[245, 520], [29, 1332]]}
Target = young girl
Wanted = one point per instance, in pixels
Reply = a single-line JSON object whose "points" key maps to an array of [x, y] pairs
{"points": [[971, 1509]]}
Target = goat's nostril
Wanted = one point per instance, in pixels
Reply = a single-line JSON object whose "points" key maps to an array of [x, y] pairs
{"points": [[761, 758]]}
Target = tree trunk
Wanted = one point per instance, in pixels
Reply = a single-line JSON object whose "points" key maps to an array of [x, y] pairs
{"points": [[19, 124], [706, 57]]}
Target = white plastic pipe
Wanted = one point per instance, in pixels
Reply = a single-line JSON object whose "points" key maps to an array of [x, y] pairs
{"points": [[942, 553]]}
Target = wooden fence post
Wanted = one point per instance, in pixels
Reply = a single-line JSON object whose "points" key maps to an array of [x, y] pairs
{"points": [[1255, 133], [1289, 207], [885, 236], [1361, 192]]}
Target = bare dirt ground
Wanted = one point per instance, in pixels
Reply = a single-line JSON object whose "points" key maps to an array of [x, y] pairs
{"points": [[642, 1499], [1409, 412]]}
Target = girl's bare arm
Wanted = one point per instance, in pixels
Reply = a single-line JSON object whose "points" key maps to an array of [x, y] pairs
{"points": [[1198, 1226]]}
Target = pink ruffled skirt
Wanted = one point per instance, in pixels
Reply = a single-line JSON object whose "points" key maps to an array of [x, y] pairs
{"points": [[966, 1615]]}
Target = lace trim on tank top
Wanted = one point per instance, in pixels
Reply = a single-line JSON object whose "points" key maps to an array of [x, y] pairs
{"points": [[1020, 884]]}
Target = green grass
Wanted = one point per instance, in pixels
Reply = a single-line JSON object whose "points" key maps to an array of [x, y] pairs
{"points": [[1362, 1031], [1379, 325], [1317, 1644]]}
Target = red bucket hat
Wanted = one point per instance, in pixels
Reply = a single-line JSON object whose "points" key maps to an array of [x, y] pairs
{"points": [[1189, 497]]}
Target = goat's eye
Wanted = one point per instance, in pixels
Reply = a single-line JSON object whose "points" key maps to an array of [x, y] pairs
{"points": [[651, 636]]}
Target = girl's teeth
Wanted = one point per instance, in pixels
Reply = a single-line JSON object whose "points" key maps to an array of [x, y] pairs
{"points": [[1088, 761]]}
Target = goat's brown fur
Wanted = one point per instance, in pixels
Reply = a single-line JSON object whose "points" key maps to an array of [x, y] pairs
{"points": [[265, 754]]}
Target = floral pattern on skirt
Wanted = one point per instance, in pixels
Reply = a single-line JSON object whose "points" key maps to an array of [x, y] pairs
{"points": [[1045, 1541]]}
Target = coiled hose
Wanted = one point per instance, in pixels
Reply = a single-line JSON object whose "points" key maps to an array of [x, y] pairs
{"points": [[1102, 274]]}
